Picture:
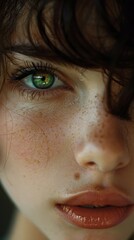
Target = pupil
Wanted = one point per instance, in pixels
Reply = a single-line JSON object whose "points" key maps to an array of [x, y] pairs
{"points": [[43, 81]]}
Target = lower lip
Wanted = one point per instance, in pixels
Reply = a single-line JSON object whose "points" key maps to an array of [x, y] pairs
{"points": [[97, 218]]}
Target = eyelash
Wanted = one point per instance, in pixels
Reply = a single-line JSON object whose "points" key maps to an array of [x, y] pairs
{"points": [[31, 68]]}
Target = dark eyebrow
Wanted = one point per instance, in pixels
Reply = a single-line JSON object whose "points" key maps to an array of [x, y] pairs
{"points": [[39, 52], [46, 54]]}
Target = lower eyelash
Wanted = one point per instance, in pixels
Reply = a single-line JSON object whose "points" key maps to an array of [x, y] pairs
{"points": [[31, 94], [15, 80]]}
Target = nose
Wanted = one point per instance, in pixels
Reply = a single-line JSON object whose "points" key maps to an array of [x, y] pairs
{"points": [[104, 148]]}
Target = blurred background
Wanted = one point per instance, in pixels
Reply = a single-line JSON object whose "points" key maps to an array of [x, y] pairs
{"points": [[7, 210]]}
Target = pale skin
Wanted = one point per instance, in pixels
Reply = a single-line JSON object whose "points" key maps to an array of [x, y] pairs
{"points": [[60, 144], [22, 229]]}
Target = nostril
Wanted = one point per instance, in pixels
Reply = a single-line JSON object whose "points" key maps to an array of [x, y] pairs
{"points": [[120, 165]]}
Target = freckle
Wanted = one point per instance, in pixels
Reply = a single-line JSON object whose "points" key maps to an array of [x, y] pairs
{"points": [[77, 176], [40, 115], [96, 135], [37, 161]]}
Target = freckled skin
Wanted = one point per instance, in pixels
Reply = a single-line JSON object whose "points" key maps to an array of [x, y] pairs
{"points": [[77, 176], [55, 148]]}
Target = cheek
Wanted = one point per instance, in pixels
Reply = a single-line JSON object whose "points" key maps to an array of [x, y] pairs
{"points": [[32, 142], [31, 155], [36, 145]]}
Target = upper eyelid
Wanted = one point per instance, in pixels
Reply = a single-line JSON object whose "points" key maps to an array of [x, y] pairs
{"points": [[18, 58], [22, 70], [70, 75], [23, 73], [28, 68], [33, 67]]}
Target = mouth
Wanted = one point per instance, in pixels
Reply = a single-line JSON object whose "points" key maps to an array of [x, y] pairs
{"points": [[96, 210]]}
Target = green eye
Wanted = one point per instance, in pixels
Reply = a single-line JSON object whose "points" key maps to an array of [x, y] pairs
{"points": [[43, 80]]}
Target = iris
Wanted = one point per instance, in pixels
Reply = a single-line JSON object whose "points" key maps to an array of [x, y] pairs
{"points": [[43, 80]]}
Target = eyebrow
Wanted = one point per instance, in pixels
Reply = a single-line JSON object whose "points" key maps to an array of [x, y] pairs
{"points": [[38, 52], [45, 54]]}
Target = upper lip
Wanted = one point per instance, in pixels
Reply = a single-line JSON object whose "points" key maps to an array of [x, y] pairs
{"points": [[99, 198]]}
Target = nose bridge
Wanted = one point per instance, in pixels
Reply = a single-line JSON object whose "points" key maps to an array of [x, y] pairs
{"points": [[100, 126], [102, 145], [106, 132]]}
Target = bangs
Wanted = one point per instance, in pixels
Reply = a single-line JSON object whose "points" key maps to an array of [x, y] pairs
{"points": [[86, 33]]}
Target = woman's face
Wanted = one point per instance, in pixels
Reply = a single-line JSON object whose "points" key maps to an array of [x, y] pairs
{"points": [[60, 142]]}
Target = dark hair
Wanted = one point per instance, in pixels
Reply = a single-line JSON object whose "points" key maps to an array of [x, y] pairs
{"points": [[93, 34]]}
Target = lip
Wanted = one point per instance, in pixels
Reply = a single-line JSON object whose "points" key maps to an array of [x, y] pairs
{"points": [[111, 207]]}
